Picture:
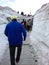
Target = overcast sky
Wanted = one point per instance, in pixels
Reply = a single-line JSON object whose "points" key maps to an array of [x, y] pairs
{"points": [[24, 5]]}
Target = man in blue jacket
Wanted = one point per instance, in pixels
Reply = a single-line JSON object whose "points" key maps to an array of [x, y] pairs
{"points": [[14, 31]]}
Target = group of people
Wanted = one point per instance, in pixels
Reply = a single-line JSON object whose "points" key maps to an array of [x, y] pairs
{"points": [[14, 31], [27, 24]]}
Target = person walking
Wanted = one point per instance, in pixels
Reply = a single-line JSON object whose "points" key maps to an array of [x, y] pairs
{"points": [[23, 23], [14, 31]]}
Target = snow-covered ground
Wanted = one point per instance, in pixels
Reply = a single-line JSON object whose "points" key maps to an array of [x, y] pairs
{"points": [[3, 41]]}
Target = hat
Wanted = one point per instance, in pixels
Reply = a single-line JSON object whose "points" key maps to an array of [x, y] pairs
{"points": [[14, 17]]}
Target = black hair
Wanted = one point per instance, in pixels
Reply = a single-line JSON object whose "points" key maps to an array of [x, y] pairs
{"points": [[14, 19]]}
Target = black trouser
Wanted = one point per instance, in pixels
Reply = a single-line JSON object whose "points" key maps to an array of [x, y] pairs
{"points": [[12, 53]]}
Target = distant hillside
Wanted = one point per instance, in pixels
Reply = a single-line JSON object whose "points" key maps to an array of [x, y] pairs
{"points": [[7, 12]]}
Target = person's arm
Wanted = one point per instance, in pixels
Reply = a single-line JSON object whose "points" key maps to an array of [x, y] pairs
{"points": [[24, 32], [6, 31]]}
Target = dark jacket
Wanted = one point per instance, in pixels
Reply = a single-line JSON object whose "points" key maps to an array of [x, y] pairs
{"points": [[14, 31], [23, 23]]}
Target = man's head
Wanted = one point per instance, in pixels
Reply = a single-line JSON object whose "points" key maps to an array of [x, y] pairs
{"points": [[14, 18]]}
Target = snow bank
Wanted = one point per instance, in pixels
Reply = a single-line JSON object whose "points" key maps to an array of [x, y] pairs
{"points": [[3, 41], [7, 12], [40, 35]]}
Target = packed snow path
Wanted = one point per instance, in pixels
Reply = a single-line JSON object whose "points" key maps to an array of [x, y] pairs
{"points": [[26, 57]]}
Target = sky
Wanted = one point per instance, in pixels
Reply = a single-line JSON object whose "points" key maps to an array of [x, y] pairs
{"points": [[26, 6]]}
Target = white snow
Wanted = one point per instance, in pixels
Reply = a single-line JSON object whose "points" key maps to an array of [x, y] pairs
{"points": [[40, 35], [3, 41]]}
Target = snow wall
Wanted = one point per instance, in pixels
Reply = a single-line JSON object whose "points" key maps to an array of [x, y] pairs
{"points": [[40, 35]]}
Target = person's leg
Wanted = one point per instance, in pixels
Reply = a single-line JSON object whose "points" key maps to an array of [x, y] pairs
{"points": [[12, 54], [19, 49]]}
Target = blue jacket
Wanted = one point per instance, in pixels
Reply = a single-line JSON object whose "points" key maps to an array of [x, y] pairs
{"points": [[14, 31]]}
